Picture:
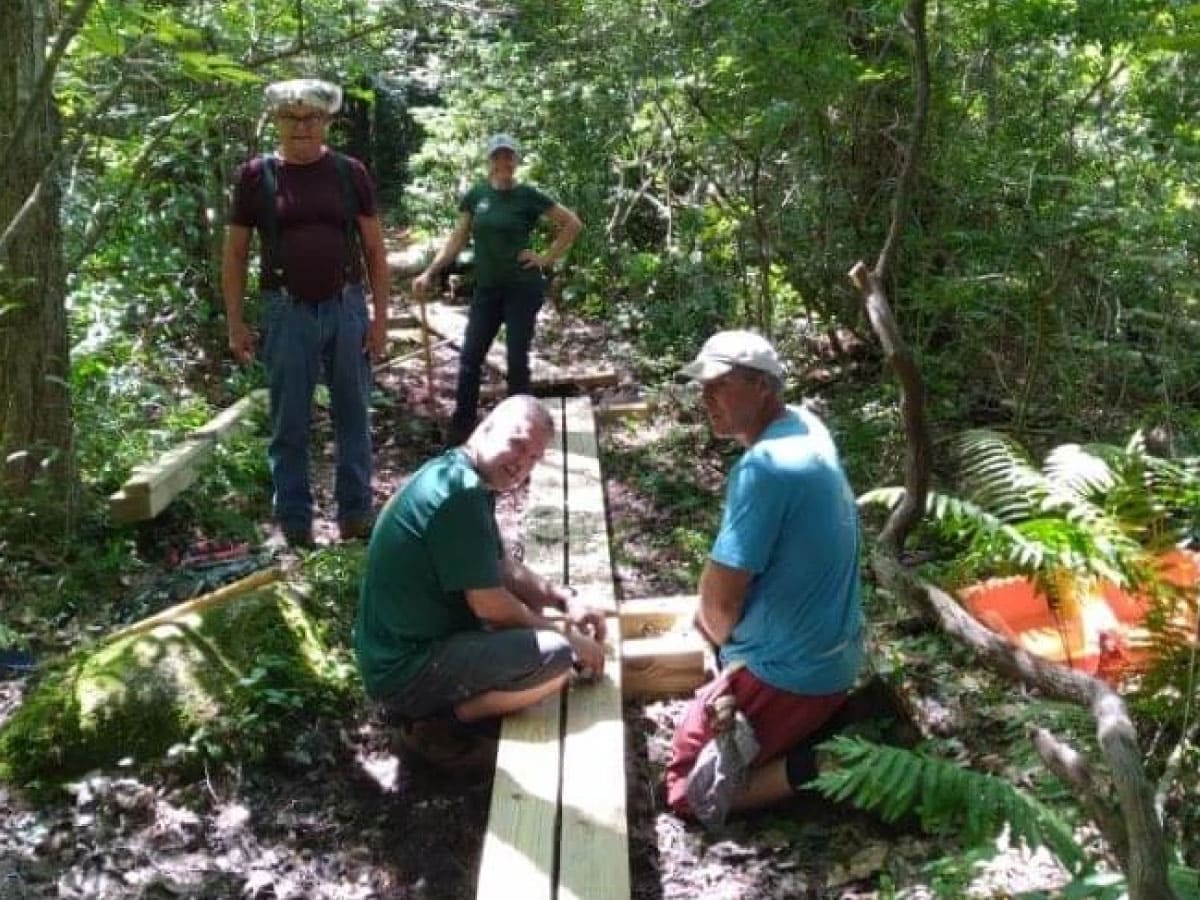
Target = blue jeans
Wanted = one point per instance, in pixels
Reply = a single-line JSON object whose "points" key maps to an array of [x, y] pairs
{"points": [[304, 342], [515, 306], [475, 662]]}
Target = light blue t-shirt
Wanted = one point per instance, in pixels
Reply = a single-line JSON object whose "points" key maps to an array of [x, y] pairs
{"points": [[790, 518]]}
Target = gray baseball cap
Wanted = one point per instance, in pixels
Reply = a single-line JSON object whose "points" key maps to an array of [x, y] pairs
{"points": [[501, 142]]}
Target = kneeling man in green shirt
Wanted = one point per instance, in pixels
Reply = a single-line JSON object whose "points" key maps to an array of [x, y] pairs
{"points": [[449, 624]]}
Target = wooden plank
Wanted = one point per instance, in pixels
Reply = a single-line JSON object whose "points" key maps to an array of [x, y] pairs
{"points": [[231, 419], [649, 616], [157, 484], [632, 409], [588, 561], [668, 665], [594, 846], [452, 325], [402, 320], [519, 849]]}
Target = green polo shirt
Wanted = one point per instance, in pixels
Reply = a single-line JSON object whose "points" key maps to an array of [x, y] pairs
{"points": [[433, 541], [501, 225]]}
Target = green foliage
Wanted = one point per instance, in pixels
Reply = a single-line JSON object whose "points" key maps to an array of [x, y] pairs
{"points": [[1094, 509], [232, 682], [895, 782]]}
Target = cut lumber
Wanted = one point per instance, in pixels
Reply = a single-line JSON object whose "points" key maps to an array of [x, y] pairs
{"points": [[668, 665], [651, 616], [402, 320], [231, 419], [629, 409], [594, 846], [520, 845], [150, 488], [589, 564]]}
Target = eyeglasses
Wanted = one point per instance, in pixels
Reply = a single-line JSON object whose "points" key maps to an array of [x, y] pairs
{"points": [[294, 121]]}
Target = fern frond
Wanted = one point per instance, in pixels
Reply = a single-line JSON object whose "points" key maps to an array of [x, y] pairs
{"points": [[893, 782]]}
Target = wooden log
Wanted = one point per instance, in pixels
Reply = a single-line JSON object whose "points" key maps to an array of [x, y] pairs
{"points": [[402, 320]]}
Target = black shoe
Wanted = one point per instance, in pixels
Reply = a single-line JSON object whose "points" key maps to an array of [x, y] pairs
{"points": [[300, 538], [357, 528], [443, 746]]}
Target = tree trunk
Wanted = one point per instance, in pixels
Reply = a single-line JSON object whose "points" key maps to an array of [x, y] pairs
{"points": [[35, 417]]}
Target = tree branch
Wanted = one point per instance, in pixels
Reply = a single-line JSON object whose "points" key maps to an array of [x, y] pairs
{"points": [[914, 19], [46, 77]]}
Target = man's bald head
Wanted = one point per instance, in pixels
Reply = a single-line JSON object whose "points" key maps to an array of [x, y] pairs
{"points": [[510, 441]]}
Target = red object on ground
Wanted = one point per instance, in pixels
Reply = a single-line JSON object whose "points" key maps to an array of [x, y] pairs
{"points": [[1106, 640]]}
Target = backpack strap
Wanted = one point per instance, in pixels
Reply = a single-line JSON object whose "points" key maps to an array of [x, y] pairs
{"points": [[272, 240], [352, 246]]}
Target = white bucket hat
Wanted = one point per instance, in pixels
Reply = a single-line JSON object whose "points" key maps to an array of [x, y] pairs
{"points": [[306, 92]]}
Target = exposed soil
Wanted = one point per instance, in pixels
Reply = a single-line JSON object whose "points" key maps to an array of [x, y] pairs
{"points": [[341, 815]]}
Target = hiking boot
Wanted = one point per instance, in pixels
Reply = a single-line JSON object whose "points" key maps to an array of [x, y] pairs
{"points": [[356, 528], [444, 746], [299, 537]]}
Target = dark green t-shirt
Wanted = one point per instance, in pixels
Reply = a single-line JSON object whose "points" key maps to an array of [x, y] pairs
{"points": [[501, 225], [433, 540]]}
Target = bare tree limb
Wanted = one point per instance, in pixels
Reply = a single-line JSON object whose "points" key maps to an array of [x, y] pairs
{"points": [[914, 19], [1071, 766]]}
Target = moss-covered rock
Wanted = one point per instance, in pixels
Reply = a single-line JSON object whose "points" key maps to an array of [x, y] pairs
{"points": [[240, 668]]}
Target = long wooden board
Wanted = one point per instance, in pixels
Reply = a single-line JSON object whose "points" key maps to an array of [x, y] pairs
{"points": [[520, 848], [594, 846], [150, 488]]}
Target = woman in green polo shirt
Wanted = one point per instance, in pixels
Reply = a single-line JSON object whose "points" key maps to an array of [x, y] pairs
{"points": [[499, 215]]}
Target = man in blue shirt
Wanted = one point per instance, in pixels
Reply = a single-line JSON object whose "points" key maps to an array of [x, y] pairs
{"points": [[779, 595]]}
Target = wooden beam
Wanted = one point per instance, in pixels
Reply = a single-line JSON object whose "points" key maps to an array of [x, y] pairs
{"points": [[668, 665], [519, 848], [151, 487], [651, 616], [632, 409], [594, 846], [589, 565], [231, 419]]}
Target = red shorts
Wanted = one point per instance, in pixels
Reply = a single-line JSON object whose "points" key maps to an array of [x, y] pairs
{"points": [[781, 720]]}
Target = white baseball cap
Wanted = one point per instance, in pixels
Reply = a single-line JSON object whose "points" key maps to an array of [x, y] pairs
{"points": [[501, 142], [727, 349], [304, 92]]}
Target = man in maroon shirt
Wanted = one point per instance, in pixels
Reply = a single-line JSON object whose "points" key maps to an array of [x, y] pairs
{"points": [[314, 320]]}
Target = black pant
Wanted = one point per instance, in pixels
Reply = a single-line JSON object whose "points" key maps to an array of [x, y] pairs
{"points": [[515, 306]]}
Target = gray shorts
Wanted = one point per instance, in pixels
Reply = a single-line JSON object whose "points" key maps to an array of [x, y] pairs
{"points": [[475, 662]]}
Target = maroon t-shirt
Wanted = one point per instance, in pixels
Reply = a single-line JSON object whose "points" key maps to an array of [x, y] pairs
{"points": [[311, 214]]}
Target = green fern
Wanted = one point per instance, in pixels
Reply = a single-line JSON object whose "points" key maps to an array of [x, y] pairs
{"points": [[895, 782]]}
